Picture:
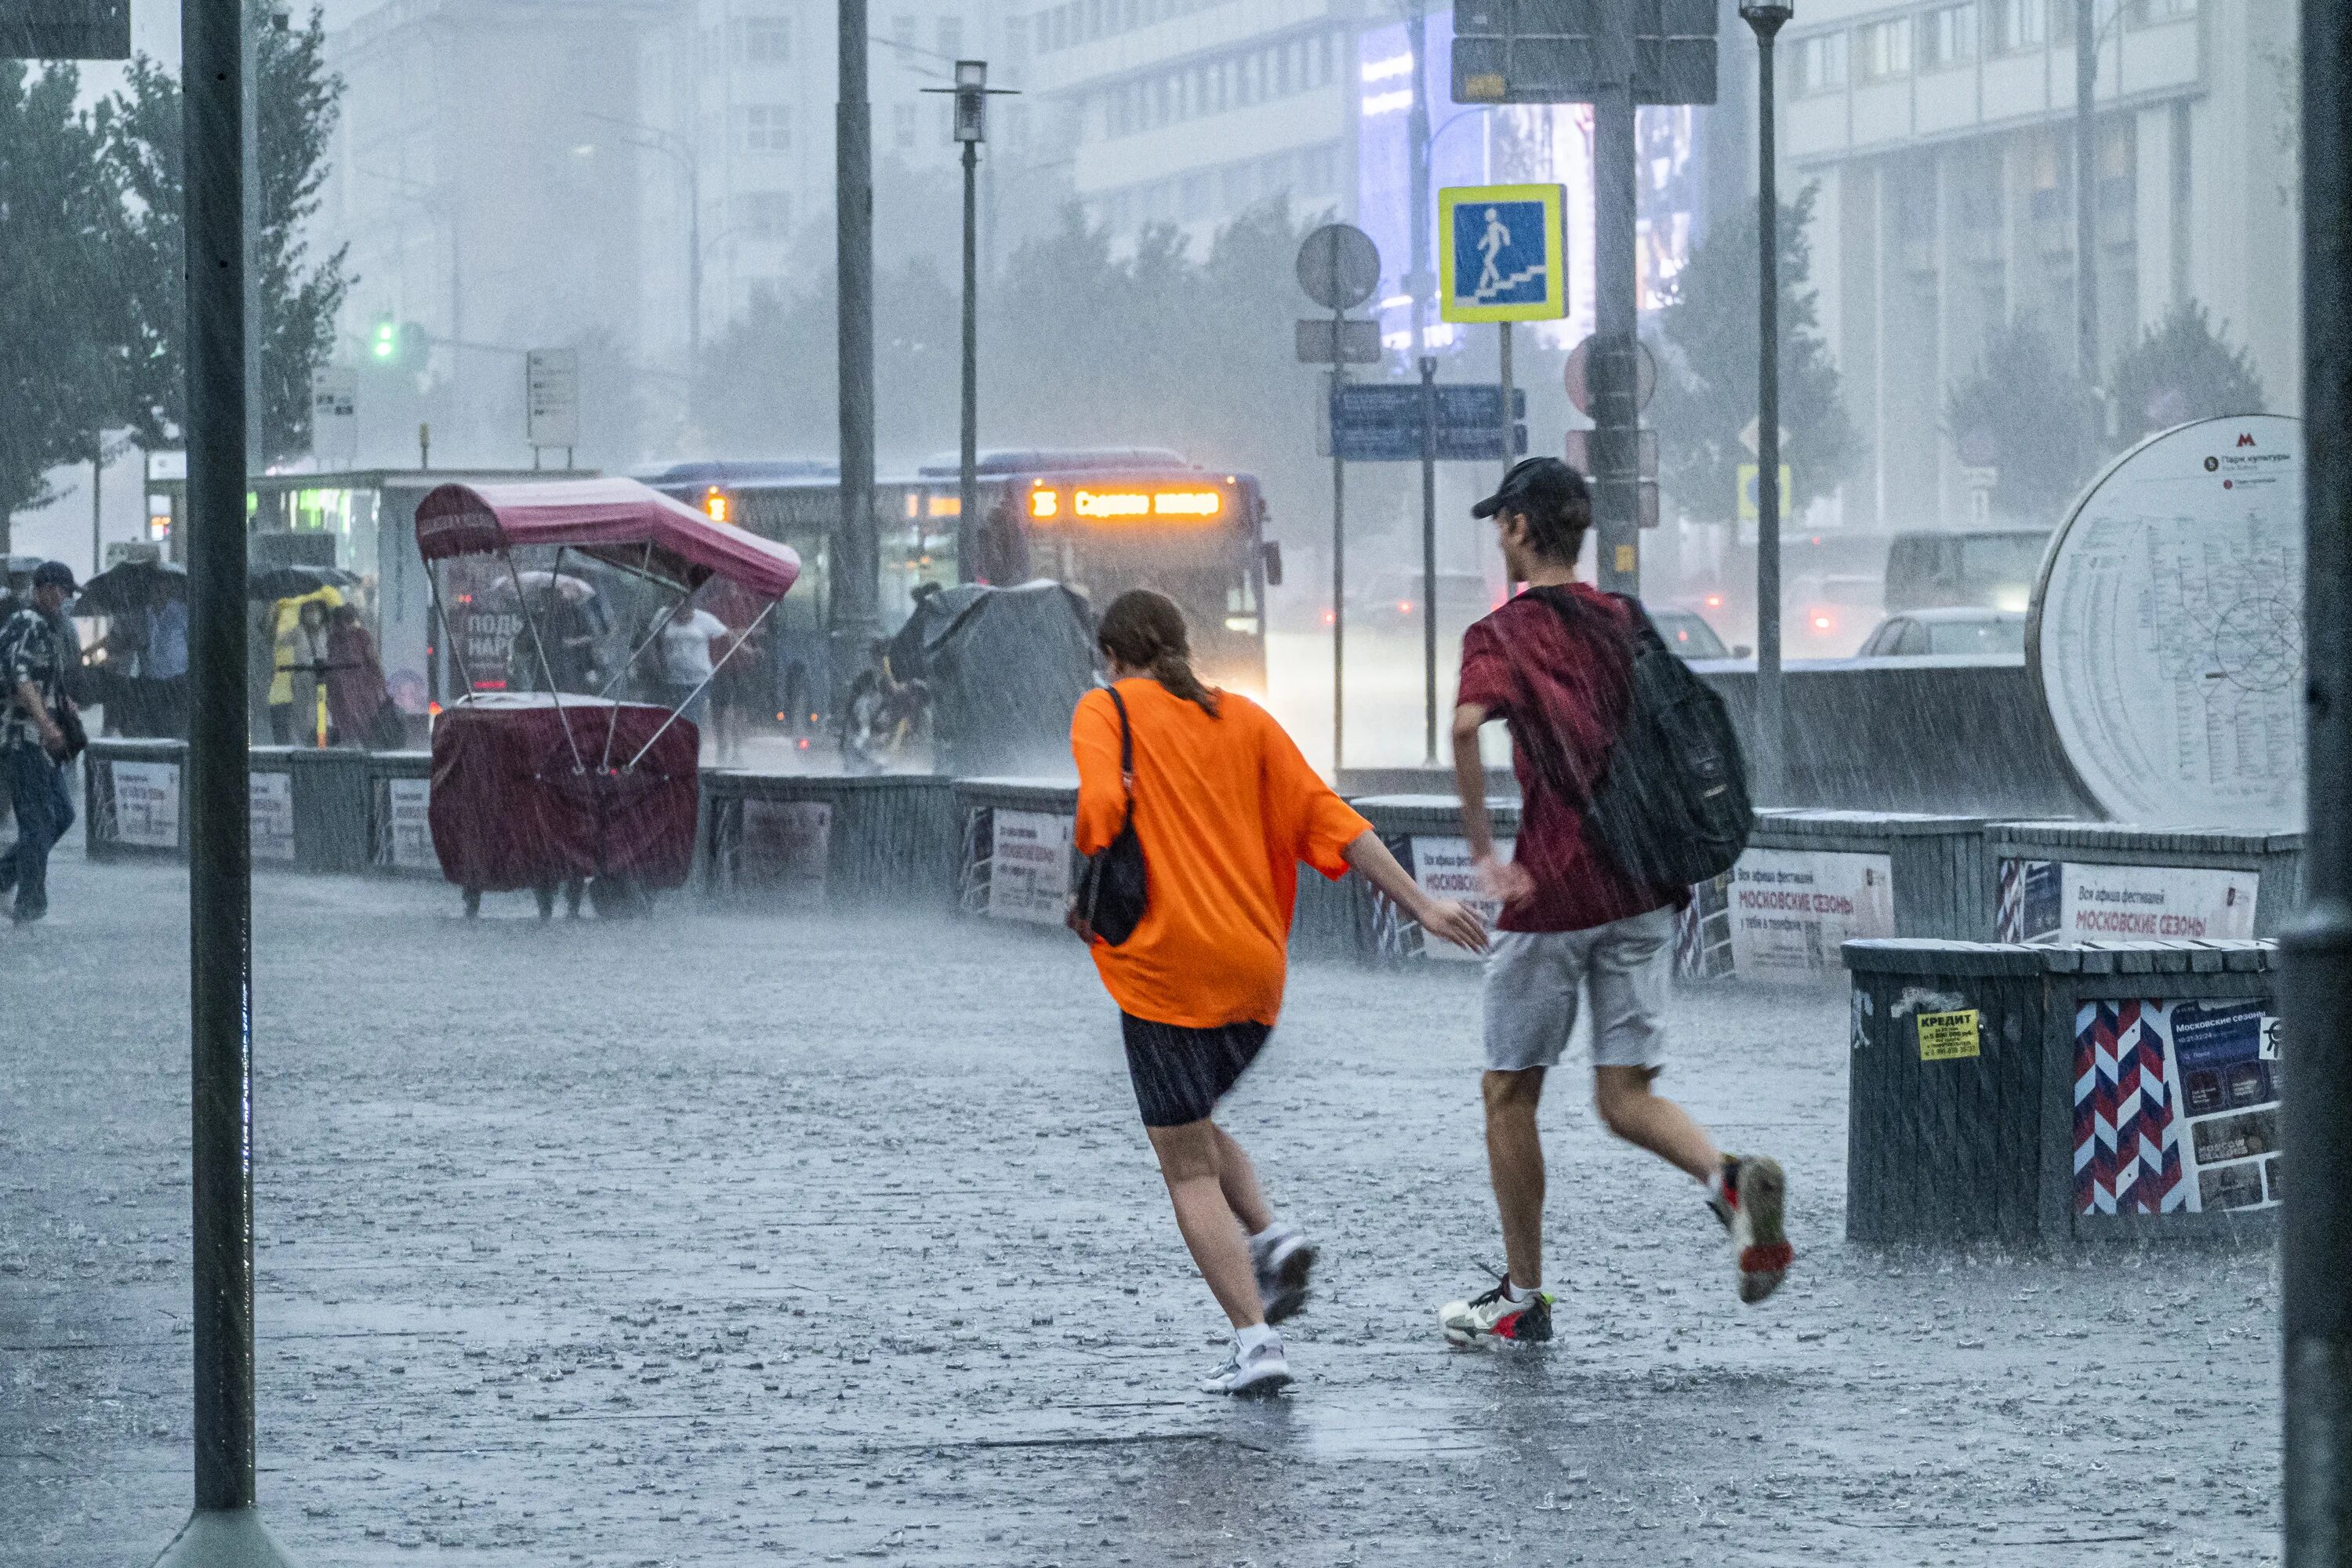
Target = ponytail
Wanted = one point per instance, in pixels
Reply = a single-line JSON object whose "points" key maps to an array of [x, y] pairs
{"points": [[1146, 631]]}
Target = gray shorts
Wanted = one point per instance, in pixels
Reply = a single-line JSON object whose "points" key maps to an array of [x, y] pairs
{"points": [[1533, 978]]}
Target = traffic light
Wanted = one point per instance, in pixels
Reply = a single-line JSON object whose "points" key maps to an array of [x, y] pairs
{"points": [[398, 344]]}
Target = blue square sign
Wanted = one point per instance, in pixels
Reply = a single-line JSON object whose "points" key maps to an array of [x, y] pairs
{"points": [[1506, 256]]}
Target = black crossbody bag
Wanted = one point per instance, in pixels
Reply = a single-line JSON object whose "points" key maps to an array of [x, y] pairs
{"points": [[1113, 891]]}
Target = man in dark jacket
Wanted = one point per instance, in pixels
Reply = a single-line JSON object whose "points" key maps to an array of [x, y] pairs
{"points": [[34, 653]]}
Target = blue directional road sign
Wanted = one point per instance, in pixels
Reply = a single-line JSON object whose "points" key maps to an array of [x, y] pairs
{"points": [[1381, 424], [1504, 257]]}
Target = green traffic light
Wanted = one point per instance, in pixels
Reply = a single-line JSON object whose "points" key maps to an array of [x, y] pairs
{"points": [[387, 340]]}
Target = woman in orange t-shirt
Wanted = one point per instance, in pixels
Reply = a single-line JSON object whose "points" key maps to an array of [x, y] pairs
{"points": [[1225, 809]]}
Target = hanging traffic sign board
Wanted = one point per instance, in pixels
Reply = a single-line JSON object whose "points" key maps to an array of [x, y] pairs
{"points": [[551, 397], [1503, 253], [1326, 340], [1509, 52], [65, 29], [1382, 422]]}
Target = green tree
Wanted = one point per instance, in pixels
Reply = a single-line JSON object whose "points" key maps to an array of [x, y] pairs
{"points": [[61, 316], [2024, 413], [300, 101], [2180, 370], [1706, 377]]}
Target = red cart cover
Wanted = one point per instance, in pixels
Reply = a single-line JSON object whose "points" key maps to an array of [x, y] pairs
{"points": [[627, 524], [510, 809]]}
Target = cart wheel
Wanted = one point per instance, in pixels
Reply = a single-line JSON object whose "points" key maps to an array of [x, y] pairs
{"points": [[615, 897], [473, 903], [572, 890], [545, 894]]}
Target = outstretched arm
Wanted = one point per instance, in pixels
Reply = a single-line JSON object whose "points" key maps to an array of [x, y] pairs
{"points": [[1441, 918]]}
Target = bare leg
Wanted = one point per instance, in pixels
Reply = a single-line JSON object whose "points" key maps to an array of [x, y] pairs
{"points": [[1237, 1179], [1189, 1164], [1514, 1162], [1651, 1121]]}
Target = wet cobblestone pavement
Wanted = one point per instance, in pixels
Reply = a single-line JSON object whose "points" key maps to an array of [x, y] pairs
{"points": [[731, 1238]]}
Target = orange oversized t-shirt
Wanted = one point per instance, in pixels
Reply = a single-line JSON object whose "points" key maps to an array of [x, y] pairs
{"points": [[1226, 808]]}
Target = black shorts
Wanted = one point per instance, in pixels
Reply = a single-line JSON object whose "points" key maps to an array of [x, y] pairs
{"points": [[1180, 1074]]}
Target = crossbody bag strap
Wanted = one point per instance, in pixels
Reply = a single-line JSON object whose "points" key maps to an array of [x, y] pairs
{"points": [[1125, 752]]}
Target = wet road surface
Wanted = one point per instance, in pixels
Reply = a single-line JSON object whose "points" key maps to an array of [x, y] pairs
{"points": [[746, 1238]]}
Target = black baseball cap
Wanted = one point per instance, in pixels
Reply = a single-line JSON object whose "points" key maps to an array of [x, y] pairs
{"points": [[54, 575], [1535, 484]]}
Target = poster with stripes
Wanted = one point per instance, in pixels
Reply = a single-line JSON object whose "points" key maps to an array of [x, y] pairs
{"points": [[2175, 1107]]}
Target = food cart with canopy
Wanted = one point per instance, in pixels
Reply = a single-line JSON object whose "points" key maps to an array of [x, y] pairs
{"points": [[549, 788]]}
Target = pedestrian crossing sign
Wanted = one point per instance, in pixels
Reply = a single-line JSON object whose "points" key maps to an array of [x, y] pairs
{"points": [[1505, 256]]}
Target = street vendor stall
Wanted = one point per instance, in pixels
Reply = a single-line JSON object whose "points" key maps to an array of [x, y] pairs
{"points": [[550, 790]]}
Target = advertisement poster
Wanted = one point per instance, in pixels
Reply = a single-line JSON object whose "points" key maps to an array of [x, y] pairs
{"points": [[147, 804], [1029, 867], [1792, 908], [1442, 865], [2175, 1107], [272, 815], [408, 831], [2053, 902], [1703, 931], [783, 848]]}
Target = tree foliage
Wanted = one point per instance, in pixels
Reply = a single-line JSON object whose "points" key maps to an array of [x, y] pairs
{"points": [[1711, 340], [2180, 370], [61, 320], [1080, 346], [2025, 413], [299, 296]]}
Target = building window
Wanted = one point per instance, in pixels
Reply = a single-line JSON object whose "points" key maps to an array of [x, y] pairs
{"points": [[1884, 49], [2018, 26], [902, 38], [1322, 172], [1821, 62], [951, 37], [763, 41], [902, 127], [766, 128], [2155, 13], [1016, 38], [764, 214], [1948, 36]]}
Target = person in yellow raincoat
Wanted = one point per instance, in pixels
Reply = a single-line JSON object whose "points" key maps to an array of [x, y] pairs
{"points": [[301, 652]]}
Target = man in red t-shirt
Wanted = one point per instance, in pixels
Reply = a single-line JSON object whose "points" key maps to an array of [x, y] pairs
{"points": [[1555, 664]]}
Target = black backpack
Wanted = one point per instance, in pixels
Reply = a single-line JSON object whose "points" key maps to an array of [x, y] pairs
{"points": [[1672, 806]]}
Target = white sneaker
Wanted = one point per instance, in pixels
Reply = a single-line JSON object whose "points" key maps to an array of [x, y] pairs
{"points": [[1251, 1374], [1282, 1260]]}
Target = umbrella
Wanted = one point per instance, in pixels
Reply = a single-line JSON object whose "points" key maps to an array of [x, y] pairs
{"points": [[128, 585], [295, 582], [575, 590]]}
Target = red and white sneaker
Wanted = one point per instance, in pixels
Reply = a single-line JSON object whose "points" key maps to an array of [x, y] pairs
{"points": [[1484, 1319], [1753, 1193]]}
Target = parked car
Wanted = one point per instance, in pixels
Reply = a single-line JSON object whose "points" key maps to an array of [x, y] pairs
{"points": [[1928, 634], [1689, 634]]}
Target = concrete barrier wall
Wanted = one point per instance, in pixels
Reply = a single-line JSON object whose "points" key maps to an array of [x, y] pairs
{"points": [[2013, 1096], [837, 842]]}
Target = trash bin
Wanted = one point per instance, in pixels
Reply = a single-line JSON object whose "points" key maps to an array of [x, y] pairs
{"points": [[2066, 881], [131, 798], [809, 840], [1015, 860], [331, 807], [2009, 1095]]}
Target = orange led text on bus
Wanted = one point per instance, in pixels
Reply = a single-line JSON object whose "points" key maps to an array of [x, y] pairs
{"points": [[1111, 506]]}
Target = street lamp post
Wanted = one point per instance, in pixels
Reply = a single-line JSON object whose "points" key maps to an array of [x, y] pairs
{"points": [[1768, 17], [972, 95], [854, 582], [2316, 1239], [657, 140]]}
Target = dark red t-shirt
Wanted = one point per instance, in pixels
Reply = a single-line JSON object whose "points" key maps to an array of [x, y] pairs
{"points": [[1561, 682]]}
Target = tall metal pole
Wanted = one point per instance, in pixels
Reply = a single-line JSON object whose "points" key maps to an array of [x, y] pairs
{"points": [[1338, 566], [2316, 1242], [854, 585], [968, 470], [224, 1529], [1616, 479], [248, 34], [1503, 354], [1769, 783], [2086, 269], [694, 263], [1429, 558], [97, 508], [1421, 281]]}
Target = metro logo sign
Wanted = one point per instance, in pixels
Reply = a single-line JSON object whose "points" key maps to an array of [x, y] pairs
{"points": [[2246, 440]]}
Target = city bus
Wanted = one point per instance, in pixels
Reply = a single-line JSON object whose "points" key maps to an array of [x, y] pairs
{"points": [[1100, 520]]}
